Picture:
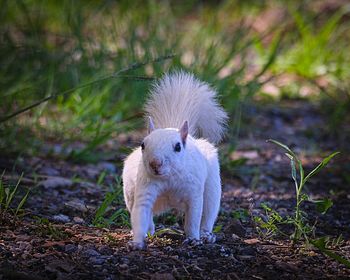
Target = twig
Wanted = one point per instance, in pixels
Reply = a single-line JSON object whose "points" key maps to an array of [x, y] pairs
{"points": [[110, 76]]}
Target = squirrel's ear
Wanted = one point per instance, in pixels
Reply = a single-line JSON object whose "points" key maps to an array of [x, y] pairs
{"points": [[150, 125], [184, 132]]}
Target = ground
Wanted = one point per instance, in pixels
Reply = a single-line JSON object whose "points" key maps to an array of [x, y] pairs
{"points": [[55, 239]]}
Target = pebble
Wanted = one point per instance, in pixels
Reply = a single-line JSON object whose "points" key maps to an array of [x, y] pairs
{"points": [[123, 266], [61, 218], [107, 166], [56, 182], [49, 171], [91, 253], [97, 260], [92, 172], [125, 260], [245, 257], [97, 266], [77, 204], [235, 237], [70, 248], [78, 220]]}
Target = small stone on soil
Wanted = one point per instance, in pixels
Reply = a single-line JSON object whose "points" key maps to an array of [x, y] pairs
{"points": [[61, 218]]}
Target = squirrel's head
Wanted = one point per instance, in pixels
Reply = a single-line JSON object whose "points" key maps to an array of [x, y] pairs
{"points": [[163, 149]]}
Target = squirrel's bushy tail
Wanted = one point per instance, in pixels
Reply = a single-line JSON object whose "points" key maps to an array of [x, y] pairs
{"points": [[180, 96]]}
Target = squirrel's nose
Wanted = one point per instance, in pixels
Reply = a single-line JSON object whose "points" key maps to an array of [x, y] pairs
{"points": [[155, 164]]}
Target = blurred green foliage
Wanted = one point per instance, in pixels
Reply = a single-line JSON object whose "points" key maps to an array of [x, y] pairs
{"points": [[48, 47]]}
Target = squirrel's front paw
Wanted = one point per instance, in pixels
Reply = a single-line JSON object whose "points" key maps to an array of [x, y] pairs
{"points": [[208, 237], [136, 246], [192, 242]]}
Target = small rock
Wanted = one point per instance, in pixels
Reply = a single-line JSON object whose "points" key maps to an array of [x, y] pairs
{"points": [[46, 170], [78, 220], [61, 218], [123, 266], [91, 253], [70, 248], [124, 260], [245, 257], [107, 166], [88, 185], [97, 260], [91, 172], [105, 250], [56, 182], [77, 205], [235, 236]]}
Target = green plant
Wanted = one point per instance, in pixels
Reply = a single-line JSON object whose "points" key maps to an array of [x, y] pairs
{"points": [[217, 229], [240, 214], [46, 228], [268, 226], [317, 56], [271, 225], [168, 218], [104, 217], [312, 55], [299, 221], [7, 194], [323, 245]]}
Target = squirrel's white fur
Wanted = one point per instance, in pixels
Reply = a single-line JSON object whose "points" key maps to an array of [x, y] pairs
{"points": [[173, 169]]}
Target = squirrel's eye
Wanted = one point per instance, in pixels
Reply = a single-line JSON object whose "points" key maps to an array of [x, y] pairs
{"points": [[142, 146], [177, 147]]}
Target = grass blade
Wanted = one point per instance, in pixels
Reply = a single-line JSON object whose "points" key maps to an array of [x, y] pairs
{"points": [[10, 195], [110, 76], [318, 168], [289, 151], [320, 244], [323, 205], [23, 200]]}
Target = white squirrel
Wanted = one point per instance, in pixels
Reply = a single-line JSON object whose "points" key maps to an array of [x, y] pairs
{"points": [[174, 168]]}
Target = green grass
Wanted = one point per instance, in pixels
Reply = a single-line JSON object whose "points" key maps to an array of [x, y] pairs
{"points": [[47, 229], [8, 192], [106, 214]]}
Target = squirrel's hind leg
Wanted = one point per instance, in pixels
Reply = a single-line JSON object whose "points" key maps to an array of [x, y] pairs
{"points": [[211, 205]]}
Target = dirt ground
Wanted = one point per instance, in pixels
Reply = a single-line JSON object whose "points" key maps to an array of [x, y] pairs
{"points": [[55, 239]]}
